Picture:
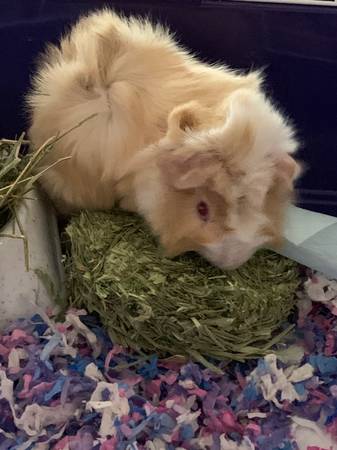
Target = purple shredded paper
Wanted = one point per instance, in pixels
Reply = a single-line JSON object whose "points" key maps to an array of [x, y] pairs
{"points": [[66, 386]]}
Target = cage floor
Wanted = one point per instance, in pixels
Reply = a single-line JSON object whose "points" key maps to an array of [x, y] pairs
{"points": [[66, 386]]}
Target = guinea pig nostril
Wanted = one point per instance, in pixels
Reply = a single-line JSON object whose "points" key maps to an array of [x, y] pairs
{"points": [[203, 210]]}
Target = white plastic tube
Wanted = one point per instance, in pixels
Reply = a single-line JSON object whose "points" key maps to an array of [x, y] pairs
{"points": [[311, 240]]}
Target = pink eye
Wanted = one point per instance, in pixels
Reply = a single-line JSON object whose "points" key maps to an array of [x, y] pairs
{"points": [[202, 209]]}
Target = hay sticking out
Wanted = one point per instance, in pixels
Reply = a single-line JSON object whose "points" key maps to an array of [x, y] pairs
{"points": [[175, 307], [20, 168], [11, 165], [18, 173]]}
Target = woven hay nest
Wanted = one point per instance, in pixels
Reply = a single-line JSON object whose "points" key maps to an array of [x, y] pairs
{"points": [[175, 307]]}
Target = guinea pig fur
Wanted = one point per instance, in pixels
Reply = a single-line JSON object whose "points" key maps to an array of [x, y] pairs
{"points": [[197, 149]]}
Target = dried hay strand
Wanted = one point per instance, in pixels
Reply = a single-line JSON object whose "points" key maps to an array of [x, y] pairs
{"points": [[18, 173], [20, 168]]}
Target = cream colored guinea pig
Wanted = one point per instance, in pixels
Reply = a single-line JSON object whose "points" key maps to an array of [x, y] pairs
{"points": [[196, 149]]}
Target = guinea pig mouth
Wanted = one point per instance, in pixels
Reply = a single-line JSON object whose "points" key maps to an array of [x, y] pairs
{"points": [[228, 255], [225, 265]]}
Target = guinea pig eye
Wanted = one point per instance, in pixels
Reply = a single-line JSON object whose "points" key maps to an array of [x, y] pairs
{"points": [[203, 211]]}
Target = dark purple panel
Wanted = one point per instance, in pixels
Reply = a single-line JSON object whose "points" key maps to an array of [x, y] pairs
{"points": [[296, 44]]}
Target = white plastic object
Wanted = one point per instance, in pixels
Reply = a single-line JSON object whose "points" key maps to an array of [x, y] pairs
{"points": [[311, 240], [22, 291]]}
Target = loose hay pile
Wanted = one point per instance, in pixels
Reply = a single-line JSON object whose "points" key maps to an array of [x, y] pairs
{"points": [[12, 164], [19, 170], [183, 307]]}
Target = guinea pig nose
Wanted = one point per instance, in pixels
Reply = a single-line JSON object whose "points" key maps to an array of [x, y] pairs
{"points": [[203, 212]]}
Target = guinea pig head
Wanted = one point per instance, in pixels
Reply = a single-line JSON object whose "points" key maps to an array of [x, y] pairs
{"points": [[219, 188]]}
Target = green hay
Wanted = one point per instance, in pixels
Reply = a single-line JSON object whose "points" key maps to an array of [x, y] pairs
{"points": [[175, 307], [18, 174], [11, 165], [19, 170]]}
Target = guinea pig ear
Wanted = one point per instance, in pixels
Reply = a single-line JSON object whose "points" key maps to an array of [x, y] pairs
{"points": [[188, 170], [238, 133], [189, 116], [287, 169]]}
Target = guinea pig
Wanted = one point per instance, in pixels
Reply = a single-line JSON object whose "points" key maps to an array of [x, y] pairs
{"points": [[197, 149]]}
